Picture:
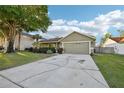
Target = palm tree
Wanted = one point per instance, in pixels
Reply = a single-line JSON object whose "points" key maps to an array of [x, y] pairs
{"points": [[37, 37]]}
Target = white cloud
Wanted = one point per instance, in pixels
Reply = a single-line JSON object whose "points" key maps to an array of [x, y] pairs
{"points": [[73, 23], [58, 22], [98, 26]]}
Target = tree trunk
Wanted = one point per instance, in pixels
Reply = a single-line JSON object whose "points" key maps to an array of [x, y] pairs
{"points": [[19, 40], [37, 40], [11, 39], [10, 47]]}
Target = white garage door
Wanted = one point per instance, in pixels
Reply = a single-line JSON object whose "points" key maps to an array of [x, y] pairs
{"points": [[77, 48]]}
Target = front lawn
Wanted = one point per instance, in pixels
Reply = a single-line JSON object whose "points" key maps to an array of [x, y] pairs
{"points": [[19, 58], [112, 68]]}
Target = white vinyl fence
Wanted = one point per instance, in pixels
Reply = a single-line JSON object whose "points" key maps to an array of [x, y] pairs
{"points": [[104, 50], [119, 49]]}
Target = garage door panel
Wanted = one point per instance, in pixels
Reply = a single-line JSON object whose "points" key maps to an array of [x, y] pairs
{"points": [[77, 48]]}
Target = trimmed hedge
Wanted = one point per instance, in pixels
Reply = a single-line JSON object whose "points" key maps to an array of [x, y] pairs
{"points": [[41, 50], [1, 48], [29, 49]]}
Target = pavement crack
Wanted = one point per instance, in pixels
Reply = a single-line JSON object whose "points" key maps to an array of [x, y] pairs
{"points": [[95, 79], [59, 67], [11, 81], [82, 69], [54, 64], [37, 74]]}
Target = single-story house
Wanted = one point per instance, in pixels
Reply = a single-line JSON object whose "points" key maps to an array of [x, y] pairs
{"points": [[75, 42], [26, 41], [117, 43]]}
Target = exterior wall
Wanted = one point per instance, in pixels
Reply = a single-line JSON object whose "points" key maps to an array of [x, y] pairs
{"points": [[109, 42], [78, 37], [118, 48], [48, 45], [26, 42], [44, 45], [1, 42], [93, 44]]}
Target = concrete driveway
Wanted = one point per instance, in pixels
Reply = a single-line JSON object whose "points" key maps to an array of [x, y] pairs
{"points": [[61, 71]]}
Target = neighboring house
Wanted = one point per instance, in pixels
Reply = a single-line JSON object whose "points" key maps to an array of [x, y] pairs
{"points": [[25, 42], [117, 43], [1, 42], [75, 42]]}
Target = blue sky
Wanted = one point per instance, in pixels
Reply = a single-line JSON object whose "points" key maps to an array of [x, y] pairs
{"points": [[83, 13], [93, 20]]}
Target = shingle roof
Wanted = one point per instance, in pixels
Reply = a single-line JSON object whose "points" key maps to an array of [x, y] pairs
{"points": [[118, 39], [51, 40], [26, 34]]}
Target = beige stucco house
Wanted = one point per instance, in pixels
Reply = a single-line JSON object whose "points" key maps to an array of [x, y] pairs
{"points": [[26, 41], [117, 43], [75, 42]]}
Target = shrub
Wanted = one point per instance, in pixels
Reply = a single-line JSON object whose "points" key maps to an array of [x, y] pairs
{"points": [[53, 49], [49, 51], [29, 49], [60, 50], [1, 48], [26, 49], [43, 50], [92, 54], [35, 50]]}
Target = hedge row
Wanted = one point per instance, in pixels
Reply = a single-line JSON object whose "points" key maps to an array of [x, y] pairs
{"points": [[41, 50]]}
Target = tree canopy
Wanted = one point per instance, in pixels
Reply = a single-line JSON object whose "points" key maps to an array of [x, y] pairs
{"points": [[37, 37], [104, 38], [22, 18], [29, 18]]}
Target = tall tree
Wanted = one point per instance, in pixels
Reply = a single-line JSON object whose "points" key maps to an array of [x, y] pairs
{"points": [[28, 18], [104, 38], [37, 37]]}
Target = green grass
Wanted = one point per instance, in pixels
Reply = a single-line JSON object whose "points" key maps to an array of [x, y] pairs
{"points": [[112, 68], [19, 58]]}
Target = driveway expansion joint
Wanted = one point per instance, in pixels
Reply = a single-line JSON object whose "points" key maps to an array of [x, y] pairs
{"points": [[59, 67], [37, 75], [95, 79], [11, 81]]}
